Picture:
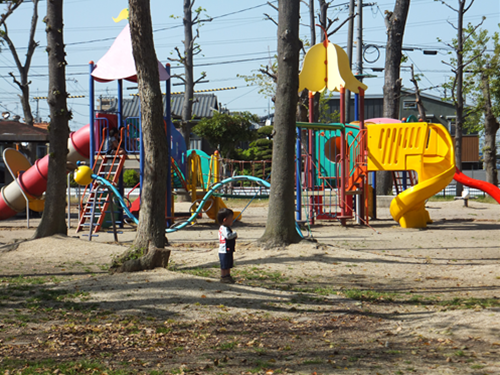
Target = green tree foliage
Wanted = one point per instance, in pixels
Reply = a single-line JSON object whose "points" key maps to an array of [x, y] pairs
{"points": [[473, 46], [225, 131], [265, 78], [261, 148], [482, 85], [130, 178], [325, 116]]}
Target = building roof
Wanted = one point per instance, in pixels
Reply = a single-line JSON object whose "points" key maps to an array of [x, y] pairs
{"points": [[203, 106], [14, 131]]}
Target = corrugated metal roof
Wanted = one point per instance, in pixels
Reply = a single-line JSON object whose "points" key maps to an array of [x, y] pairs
{"points": [[203, 106]]}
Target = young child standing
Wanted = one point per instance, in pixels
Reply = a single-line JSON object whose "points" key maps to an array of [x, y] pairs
{"points": [[227, 242]]}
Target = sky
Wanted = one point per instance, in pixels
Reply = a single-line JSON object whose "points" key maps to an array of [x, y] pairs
{"points": [[236, 42]]}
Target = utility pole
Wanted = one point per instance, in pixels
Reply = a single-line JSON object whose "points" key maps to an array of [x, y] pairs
{"points": [[350, 32], [359, 47], [312, 22]]}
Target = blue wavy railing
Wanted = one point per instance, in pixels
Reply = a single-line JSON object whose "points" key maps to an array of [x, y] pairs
{"points": [[200, 206]]}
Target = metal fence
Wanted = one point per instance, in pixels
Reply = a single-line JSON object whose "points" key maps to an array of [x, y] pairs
{"points": [[450, 191]]}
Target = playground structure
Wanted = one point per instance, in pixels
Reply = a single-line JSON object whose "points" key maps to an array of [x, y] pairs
{"points": [[333, 161]]}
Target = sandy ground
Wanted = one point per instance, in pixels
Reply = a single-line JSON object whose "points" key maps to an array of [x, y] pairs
{"points": [[455, 257]]}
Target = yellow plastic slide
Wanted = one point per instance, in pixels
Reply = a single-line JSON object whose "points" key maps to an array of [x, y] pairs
{"points": [[422, 147], [213, 208]]}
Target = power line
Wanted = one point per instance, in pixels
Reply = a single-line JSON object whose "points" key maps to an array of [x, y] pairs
{"points": [[166, 28]]}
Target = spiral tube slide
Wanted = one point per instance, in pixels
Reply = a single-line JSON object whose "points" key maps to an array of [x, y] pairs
{"points": [[488, 188], [200, 206], [34, 180]]}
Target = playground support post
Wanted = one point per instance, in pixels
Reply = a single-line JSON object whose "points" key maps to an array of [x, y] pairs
{"points": [[364, 151], [91, 114], [119, 126], [343, 213], [310, 161], [359, 198], [298, 171], [68, 192], [168, 197], [141, 152]]}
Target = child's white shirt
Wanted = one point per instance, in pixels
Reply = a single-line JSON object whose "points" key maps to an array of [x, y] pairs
{"points": [[226, 237]]}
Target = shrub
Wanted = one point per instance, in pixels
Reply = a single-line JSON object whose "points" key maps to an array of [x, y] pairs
{"points": [[130, 178]]}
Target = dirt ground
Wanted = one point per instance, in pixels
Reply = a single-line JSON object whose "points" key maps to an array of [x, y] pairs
{"points": [[437, 289]]}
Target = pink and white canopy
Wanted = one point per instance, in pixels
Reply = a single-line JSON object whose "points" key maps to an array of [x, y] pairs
{"points": [[118, 62]]}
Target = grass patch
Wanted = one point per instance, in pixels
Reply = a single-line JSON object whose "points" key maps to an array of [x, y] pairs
{"points": [[196, 271], [227, 345], [440, 198], [315, 361], [477, 367], [260, 366], [50, 366], [28, 280], [471, 303], [325, 291], [486, 199], [369, 295]]}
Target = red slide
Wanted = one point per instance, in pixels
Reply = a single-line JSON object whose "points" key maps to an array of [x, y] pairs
{"points": [[34, 180], [491, 189]]}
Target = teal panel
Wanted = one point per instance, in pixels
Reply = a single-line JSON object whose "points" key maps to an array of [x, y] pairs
{"points": [[327, 153], [205, 164]]}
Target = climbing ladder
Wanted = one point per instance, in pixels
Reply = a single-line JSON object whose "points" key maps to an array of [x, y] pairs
{"points": [[178, 180], [403, 180], [109, 167]]}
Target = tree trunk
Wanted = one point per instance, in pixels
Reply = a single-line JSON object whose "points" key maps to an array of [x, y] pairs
{"points": [[54, 218], [395, 22], [312, 22], [187, 105], [151, 229], [280, 226], [23, 83], [155, 257], [24, 69], [303, 106], [491, 126], [418, 98]]}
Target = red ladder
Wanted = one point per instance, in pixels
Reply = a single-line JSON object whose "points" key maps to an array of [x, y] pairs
{"points": [[398, 180], [110, 168]]}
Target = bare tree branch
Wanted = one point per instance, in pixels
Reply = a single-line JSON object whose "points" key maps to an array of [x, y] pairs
{"points": [[205, 20], [449, 64], [473, 30], [269, 73], [5, 36], [304, 2], [270, 19], [467, 8], [192, 45], [15, 80], [331, 22], [10, 8], [418, 99], [471, 60], [179, 76], [342, 24], [275, 8], [180, 58], [449, 6], [449, 45], [452, 25], [203, 75], [32, 44]]}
